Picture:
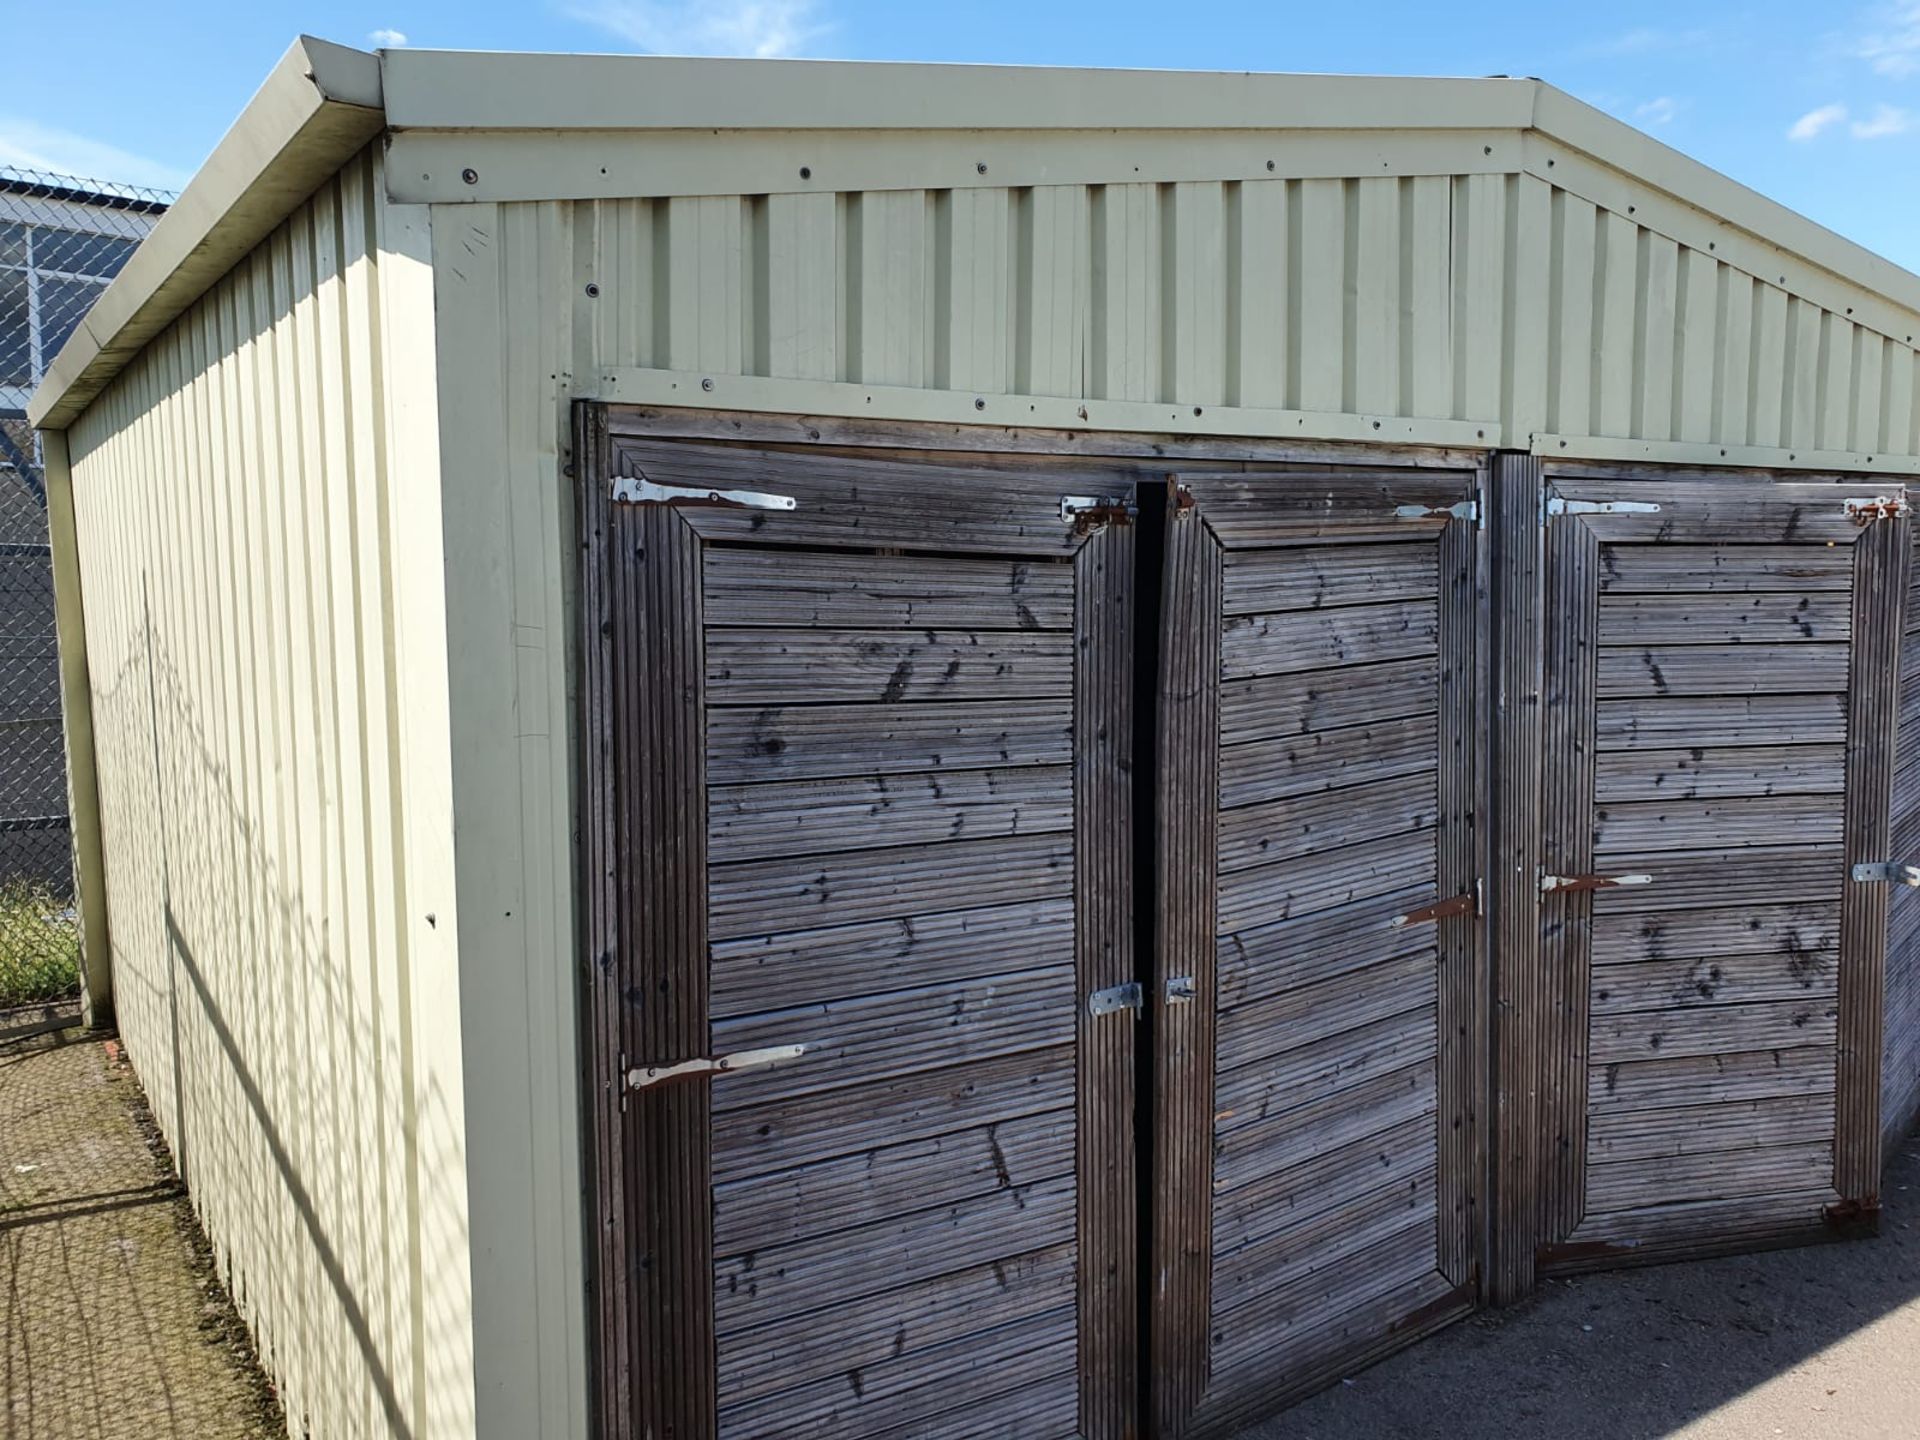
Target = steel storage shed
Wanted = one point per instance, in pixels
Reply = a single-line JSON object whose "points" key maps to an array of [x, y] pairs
{"points": [[882, 750]]}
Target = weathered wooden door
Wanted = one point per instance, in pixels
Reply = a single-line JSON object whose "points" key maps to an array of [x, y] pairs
{"points": [[858, 881], [1320, 1029], [1718, 724]]}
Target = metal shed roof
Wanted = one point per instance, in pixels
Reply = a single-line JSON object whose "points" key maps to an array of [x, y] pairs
{"points": [[526, 112]]}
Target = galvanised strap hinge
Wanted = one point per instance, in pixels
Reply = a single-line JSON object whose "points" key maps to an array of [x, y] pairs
{"points": [[649, 1075], [1116, 997], [1560, 505], [638, 490], [1551, 883], [1864, 510], [1889, 872], [1464, 510]]}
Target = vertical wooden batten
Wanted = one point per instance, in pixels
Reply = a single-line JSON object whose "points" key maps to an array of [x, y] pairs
{"points": [[1518, 602]]}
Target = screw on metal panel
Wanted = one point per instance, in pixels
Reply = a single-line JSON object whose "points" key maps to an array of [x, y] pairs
{"points": [[806, 172], [1487, 148], [470, 175], [707, 383], [1269, 164], [593, 290], [981, 167], [979, 404]]}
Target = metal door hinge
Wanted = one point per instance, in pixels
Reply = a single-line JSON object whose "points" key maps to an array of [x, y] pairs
{"points": [[648, 1075], [1464, 510], [1560, 505], [1864, 510], [1889, 871], [638, 490], [1550, 883], [1116, 997], [1463, 904], [1180, 990], [1086, 511]]}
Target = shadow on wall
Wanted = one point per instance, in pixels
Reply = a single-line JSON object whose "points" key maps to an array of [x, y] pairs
{"points": [[278, 1062]]}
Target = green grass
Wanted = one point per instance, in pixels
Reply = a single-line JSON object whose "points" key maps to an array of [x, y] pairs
{"points": [[39, 945]]}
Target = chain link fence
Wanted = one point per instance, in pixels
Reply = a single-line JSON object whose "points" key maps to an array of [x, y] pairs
{"points": [[61, 240]]}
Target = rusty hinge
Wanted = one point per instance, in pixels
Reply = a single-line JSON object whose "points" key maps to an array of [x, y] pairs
{"points": [[1864, 510], [1088, 512], [1550, 883], [1888, 871], [638, 490], [641, 1078], [1464, 510], [1467, 903]]}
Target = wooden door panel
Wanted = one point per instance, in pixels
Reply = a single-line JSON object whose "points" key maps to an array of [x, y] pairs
{"points": [[864, 819], [1714, 728], [1317, 1157]]}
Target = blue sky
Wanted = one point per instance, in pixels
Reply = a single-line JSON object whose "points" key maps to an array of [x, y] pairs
{"points": [[1818, 107]]}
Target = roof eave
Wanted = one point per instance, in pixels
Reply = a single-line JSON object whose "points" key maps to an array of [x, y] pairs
{"points": [[320, 105]]}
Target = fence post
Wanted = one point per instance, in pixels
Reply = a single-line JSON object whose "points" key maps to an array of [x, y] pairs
{"points": [[76, 704]]}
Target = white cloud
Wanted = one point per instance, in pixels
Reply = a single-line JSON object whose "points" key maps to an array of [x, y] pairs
{"points": [[1658, 111], [385, 39], [1814, 121], [29, 145], [1886, 120], [1648, 40], [759, 28], [1891, 44]]}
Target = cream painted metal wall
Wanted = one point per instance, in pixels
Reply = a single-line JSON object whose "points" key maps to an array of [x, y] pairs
{"points": [[260, 552], [1593, 317]]}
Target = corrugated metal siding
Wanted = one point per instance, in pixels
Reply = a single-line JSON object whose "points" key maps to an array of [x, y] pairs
{"points": [[264, 721], [1497, 298]]}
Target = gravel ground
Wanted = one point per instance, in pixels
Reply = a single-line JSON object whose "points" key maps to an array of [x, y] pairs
{"points": [[112, 1321], [1808, 1344]]}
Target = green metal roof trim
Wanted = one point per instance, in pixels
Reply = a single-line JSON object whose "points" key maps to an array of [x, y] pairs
{"points": [[323, 102]]}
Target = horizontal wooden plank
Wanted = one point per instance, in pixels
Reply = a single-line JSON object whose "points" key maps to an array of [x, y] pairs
{"points": [[1335, 1234], [1698, 1228], [1654, 825], [1725, 619], [859, 1189], [1287, 829], [1619, 1135], [802, 742], [1034, 1409], [753, 586], [764, 667], [1788, 928], [1296, 640], [790, 1130], [1717, 512], [1286, 1145], [1255, 1034], [771, 1284], [1627, 671], [1702, 1079], [1660, 724], [1714, 1030], [1716, 878], [862, 502], [1717, 1175], [767, 972], [1266, 508], [863, 812], [1323, 880], [1299, 1077], [1274, 706], [772, 896], [845, 1338], [922, 1389], [1264, 960], [1268, 770], [903, 1031], [1315, 577], [1715, 980], [1673, 569], [1720, 773]]}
